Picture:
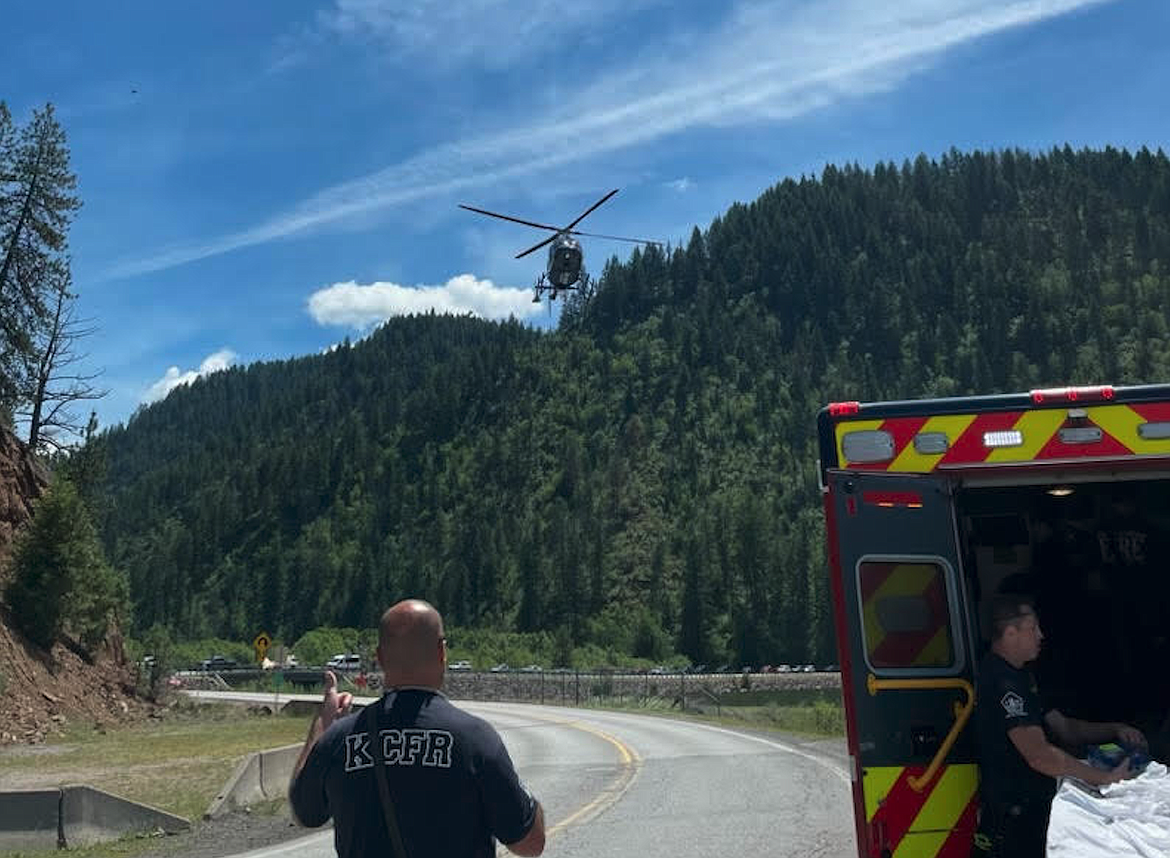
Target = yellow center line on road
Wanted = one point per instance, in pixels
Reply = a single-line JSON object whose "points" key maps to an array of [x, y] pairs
{"points": [[630, 762]]}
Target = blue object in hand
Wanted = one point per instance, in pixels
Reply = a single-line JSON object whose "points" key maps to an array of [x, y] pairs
{"points": [[1110, 756]]}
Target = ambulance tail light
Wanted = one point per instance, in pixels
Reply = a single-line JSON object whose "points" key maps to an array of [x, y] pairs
{"points": [[910, 500], [868, 446], [1061, 395]]}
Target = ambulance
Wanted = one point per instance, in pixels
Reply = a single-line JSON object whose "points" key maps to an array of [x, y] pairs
{"points": [[932, 507]]}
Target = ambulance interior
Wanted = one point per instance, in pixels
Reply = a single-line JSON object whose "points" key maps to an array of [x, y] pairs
{"points": [[1093, 555]]}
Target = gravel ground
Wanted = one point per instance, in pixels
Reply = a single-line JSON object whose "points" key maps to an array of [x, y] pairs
{"points": [[229, 835]]}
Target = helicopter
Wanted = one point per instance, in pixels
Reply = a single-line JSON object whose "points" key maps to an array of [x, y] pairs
{"points": [[565, 267]]}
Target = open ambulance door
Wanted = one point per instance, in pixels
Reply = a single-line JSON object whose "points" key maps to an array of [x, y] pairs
{"points": [[906, 662]]}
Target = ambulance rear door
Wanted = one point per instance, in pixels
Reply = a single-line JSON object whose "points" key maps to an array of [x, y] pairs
{"points": [[907, 675]]}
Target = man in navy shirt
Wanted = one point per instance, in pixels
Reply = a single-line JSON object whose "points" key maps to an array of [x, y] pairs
{"points": [[1018, 763], [452, 784]]}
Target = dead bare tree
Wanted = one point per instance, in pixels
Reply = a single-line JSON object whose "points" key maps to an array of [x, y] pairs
{"points": [[54, 384]]}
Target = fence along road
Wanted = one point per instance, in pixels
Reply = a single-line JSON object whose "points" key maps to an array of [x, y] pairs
{"points": [[615, 783]]}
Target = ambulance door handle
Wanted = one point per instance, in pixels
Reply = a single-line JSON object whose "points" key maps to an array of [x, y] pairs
{"points": [[962, 714]]}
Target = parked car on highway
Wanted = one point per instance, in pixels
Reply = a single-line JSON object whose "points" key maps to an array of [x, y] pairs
{"points": [[500, 668], [462, 664], [217, 662], [342, 661]]}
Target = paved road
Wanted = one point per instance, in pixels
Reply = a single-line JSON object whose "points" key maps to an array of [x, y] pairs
{"points": [[622, 784]]}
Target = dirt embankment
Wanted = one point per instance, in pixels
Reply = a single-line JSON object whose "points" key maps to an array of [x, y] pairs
{"points": [[21, 482], [45, 690], [41, 691]]}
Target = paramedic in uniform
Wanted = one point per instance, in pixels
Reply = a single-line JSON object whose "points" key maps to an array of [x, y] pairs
{"points": [[1018, 764], [453, 786]]}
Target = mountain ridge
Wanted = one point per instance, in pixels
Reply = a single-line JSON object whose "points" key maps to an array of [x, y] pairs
{"points": [[653, 459]]}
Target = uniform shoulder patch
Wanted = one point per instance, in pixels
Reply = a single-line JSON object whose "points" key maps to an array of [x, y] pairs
{"points": [[1013, 705]]}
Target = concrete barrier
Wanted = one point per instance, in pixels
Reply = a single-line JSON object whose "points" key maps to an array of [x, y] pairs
{"points": [[261, 776], [29, 819], [90, 815], [301, 707], [309, 708], [75, 816]]}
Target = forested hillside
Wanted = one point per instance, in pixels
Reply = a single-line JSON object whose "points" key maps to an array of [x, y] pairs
{"points": [[648, 469]]}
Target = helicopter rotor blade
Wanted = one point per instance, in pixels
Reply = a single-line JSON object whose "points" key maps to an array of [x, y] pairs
{"points": [[509, 217], [616, 238], [587, 211], [537, 246]]}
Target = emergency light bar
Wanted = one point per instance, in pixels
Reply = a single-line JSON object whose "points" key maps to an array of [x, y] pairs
{"points": [[1004, 438], [844, 409], [1099, 393]]}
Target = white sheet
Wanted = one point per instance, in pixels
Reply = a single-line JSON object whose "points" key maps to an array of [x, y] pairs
{"points": [[1131, 820]]}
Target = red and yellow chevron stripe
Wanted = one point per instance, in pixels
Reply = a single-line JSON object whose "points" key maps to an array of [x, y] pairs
{"points": [[1039, 428], [938, 822], [926, 647]]}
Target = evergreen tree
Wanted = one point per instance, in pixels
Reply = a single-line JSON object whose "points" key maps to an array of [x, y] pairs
{"points": [[36, 207], [61, 583]]}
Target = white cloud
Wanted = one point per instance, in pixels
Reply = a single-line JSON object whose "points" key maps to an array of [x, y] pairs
{"points": [[770, 61], [362, 306], [490, 33], [174, 377], [680, 185]]}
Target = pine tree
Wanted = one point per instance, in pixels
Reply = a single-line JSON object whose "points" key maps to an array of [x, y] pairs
{"points": [[61, 583], [36, 208]]}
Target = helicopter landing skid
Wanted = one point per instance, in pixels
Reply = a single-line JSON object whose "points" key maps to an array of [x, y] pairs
{"points": [[543, 285]]}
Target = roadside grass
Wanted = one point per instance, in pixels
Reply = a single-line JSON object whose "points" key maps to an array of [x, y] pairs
{"points": [[125, 847], [804, 712], [177, 763]]}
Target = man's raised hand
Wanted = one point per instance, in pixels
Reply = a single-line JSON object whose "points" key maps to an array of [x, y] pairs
{"points": [[335, 705]]}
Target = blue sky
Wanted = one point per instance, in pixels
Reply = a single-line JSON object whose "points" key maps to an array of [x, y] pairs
{"points": [[262, 179]]}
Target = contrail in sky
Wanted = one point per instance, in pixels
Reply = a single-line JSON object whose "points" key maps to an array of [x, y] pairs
{"points": [[769, 62]]}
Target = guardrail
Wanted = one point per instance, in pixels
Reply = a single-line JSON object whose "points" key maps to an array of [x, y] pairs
{"points": [[556, 687]]}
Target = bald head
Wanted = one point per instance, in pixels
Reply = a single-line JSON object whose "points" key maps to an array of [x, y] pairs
{"points": [[411, 644]]}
